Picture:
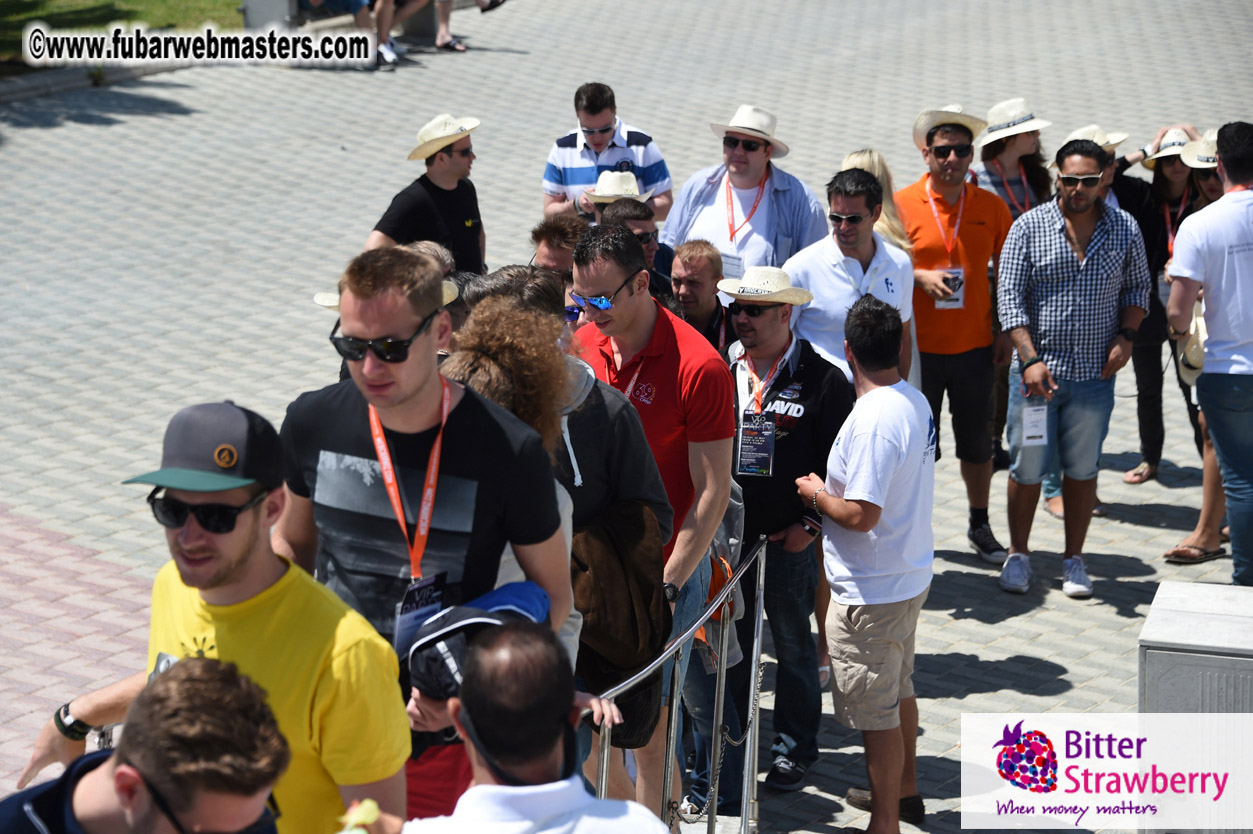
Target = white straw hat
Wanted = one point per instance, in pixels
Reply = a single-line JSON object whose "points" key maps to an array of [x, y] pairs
{"points": [[753, 121], [1192, 349], [1203, 152], [765, 283], [440, 132], [1094, 133], [1172, 145], [1009, 118], [949, 114], [614, 185]]}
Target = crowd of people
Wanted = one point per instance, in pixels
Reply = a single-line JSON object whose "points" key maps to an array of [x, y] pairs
{"points": [[582, 431]]}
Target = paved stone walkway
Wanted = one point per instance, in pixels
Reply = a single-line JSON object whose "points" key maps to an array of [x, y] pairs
{"points": [[160, 241]]}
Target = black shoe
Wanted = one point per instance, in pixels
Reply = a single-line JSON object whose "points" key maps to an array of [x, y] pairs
{"points": [[912, 809], [1000, 458], [983, 542], [785, 775]]}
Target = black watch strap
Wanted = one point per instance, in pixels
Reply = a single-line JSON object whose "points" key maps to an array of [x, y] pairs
{"points": [[69, 726], [671, 591], [1128, 333]]}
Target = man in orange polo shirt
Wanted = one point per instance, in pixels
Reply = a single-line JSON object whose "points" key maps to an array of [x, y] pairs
{"points": [[684, 394], [956, 228]]}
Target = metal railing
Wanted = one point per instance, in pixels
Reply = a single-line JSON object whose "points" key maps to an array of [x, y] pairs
{"points": [[674, 649]]}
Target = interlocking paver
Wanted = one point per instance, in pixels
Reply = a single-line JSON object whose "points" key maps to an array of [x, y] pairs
{"points": [[163, 238]]}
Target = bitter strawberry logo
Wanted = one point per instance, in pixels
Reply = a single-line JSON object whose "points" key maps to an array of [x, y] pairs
{"points": [[1027, 760]]}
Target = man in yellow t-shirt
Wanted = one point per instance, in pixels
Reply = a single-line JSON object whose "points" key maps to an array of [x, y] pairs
{"points": [[329, 677]]}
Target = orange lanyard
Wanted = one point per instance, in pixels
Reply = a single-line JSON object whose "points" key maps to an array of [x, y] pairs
{"points": [[732, 229], [630, 389], [1170, 227], [1026, 189], [961, 207], [1239, 188], [418, 548], [760, 385]]}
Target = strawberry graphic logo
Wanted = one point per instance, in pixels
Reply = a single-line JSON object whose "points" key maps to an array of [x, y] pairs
{"points": [[1027, 760]]}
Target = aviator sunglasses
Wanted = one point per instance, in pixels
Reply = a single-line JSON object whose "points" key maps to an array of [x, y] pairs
{"points": [[388, 349], [749, 145], [838, 220], [213, 518], [600, 302], [264, 823], [1088, 181], [596, 131], [750, 310], [962, 151]]}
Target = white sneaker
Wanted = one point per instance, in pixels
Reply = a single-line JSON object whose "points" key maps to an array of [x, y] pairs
{"points": [[387, 58], [397, 47], [1016, 574], [1075, 581]]}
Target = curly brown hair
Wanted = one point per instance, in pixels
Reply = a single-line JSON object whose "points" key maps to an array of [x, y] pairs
{"points": [[509, 355]]}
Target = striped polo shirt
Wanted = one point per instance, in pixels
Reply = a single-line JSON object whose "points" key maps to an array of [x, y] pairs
{"points": [[573, 167]]}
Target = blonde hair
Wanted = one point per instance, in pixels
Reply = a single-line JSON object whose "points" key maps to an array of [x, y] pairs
{"points": [[889, 225]]}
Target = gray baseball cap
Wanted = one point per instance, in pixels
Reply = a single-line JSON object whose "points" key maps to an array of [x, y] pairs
{"points": [[217, 446]]}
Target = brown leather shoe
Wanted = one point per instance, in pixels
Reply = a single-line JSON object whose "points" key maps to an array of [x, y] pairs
{"points": [[912, 810]]}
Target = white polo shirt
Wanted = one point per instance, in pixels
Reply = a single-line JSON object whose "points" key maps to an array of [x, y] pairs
{"points": [[1215, 247], [837, 281], [564, 807]]}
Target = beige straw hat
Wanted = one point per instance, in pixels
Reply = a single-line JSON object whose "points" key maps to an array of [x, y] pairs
{"points": [[1172, 145], [614, 185], [753, 121], [1203, 152], [440, 132], [949, 114], [765, 283], [1009, 118]]}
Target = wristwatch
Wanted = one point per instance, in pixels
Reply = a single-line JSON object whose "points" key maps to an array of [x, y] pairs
{"points": [[69, 726], [1129, 334], [671, 590]]}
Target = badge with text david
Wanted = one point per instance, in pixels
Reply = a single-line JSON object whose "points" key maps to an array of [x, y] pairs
{"points": [[1089, 771]]}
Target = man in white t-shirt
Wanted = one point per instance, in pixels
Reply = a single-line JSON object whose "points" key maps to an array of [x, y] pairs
{"points": [[853, 261], [755, 213], [1214, 250], [877, 549]]}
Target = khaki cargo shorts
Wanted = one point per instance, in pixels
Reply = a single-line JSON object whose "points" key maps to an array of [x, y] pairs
{"points": [[872, 660]]}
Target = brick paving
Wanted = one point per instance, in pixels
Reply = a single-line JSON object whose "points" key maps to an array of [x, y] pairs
{"points": [[161, 239]]}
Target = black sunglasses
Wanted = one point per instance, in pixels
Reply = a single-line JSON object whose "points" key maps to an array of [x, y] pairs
{"points": [[387, 348], [646, 238], [464, 152], [214, 518], [264, 823], [749, 145], [838, 220], [962, 151], [1087, 181], [1205, 174], [750, 310], [596, 131]]}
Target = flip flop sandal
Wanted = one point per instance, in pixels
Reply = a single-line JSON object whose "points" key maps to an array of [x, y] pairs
{"points": [[1224, 535], [1190, 554], [453, 45], [1144, 472]]}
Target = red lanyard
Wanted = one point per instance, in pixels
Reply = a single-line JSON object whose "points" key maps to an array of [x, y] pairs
{"points": [[760, 385], [418, 548], [961, 207], [1026, 189], [1170, 227], [732, 229], [1239, 188], [722, 328]]}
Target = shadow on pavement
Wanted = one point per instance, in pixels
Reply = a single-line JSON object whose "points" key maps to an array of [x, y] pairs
{"points": [[97, 106], [958, 674], [1161, 516]]}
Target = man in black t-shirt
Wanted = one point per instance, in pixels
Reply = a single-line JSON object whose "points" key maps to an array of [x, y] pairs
{"points": [[441, 205], [365, 452]]}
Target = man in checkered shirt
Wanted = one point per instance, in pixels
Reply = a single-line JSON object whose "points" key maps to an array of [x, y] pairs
{"points": [[1074, 286]]}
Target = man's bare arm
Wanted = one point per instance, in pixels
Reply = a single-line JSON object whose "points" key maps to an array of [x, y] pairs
{"points": [[296, 535], [710, 467], [389, 793], [378, 240], [547, 564], [661, 204]]}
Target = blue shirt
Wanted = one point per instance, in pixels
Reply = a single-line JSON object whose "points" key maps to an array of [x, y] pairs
{"points": [[1071, 310], [573, 167], [47, 808], [797, 220]]}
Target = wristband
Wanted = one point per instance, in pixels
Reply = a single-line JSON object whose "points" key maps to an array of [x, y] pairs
{"points": [[69, 726], [1029, 363]]}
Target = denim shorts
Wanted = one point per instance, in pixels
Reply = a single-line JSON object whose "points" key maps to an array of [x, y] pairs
{"points": [[1078, 418]]}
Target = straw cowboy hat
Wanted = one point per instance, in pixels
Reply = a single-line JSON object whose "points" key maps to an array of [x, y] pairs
{"points": [[1093, 133], [753, 121], [330, 300], [1203, 152], [440, 132], [614, 185], [1172, 145], [949, 114], [1192, 349], [765, 283], [1009, 118]]}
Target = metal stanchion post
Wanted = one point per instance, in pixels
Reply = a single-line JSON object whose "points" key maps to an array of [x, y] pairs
{"points": [[672, 738], [748, 801], [602, 756], [715, 758]]}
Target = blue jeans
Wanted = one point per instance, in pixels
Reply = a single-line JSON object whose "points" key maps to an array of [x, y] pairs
{"points": [[699, 689], [1227, 402], [687, 610], [1078, 419], [791, 583]]}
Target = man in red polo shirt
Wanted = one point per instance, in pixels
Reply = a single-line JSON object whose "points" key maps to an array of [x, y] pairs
{"points": [[684, 393]]}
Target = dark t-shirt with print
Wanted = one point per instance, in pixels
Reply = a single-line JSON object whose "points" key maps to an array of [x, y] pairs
{"points": [[424, 211], [495, 486]]}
